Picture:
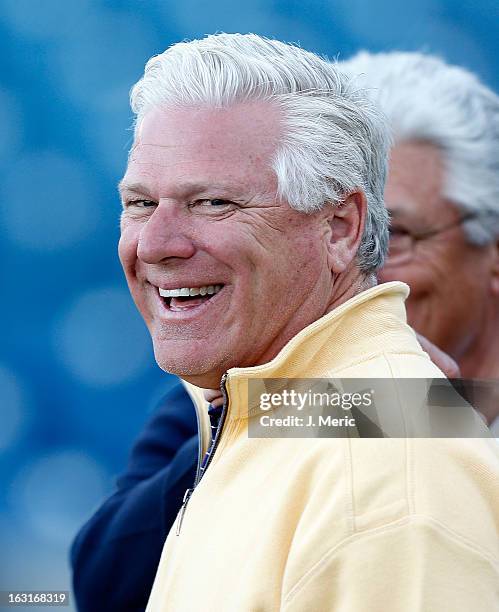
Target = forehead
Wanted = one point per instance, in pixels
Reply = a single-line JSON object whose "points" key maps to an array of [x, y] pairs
{"points": [[205, 146], [415, 183]]}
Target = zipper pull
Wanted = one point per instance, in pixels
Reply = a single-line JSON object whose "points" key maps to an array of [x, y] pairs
{"points": [[185, 501]]}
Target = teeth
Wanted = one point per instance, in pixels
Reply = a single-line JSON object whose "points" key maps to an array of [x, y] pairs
{"points": [[190, 291], [169, 292]]}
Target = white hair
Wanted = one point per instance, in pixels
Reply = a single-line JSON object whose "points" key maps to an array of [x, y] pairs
{"points": [[426, 99], [334, 140]]}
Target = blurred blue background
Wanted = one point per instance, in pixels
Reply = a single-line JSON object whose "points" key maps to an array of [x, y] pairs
{"points": [[77, 373]]}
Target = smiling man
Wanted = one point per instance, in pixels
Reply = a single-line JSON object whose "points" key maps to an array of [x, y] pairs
{"points": [[252, 230], [201, 216]]}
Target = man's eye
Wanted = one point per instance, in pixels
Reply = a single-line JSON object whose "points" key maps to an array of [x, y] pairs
{"points": [[213, 205], [216, 202], [141, 203]]}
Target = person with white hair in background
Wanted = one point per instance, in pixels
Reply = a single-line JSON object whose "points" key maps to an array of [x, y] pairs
{"points": [[442, 192]]}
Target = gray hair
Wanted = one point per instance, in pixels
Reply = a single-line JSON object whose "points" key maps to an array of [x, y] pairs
{"points": [[334, 141], [426, 99]]}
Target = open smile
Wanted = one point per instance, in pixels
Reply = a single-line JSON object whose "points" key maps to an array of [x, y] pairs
{"points": [[187, 299]]}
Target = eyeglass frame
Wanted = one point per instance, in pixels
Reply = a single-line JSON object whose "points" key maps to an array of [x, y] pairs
{"points": [[418, 236]]}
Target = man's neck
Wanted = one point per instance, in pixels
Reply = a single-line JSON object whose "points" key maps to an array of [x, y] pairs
{"points": [[349, 285]]}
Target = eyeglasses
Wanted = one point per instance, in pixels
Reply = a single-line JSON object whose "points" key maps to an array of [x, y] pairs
{"points": [[402, 242]]}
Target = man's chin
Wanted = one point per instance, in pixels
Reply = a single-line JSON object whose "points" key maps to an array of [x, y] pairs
{"points": [[205, 371]]}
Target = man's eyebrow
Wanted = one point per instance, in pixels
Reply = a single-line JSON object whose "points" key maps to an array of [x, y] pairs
{"points": [[186, 188], [132, 187]]}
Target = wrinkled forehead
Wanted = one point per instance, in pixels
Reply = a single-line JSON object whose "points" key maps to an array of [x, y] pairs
{"points": [[253, 127], [237, 143]]}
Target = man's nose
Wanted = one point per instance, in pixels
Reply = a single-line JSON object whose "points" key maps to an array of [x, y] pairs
{"points": [[166, 234]]}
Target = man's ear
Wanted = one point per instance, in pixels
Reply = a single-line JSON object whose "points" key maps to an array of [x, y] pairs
{"points": [[347, 221]]}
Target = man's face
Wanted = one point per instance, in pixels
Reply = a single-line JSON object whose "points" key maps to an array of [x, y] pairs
{"points": [[448, 277], [201, 211]]}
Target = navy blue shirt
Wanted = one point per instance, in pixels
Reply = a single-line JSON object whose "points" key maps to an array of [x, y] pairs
{"points": [[116, 553]]}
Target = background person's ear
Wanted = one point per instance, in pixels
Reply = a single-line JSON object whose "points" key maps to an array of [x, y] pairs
{"points": [[347, 223]]}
